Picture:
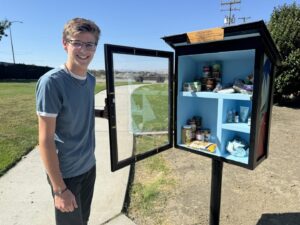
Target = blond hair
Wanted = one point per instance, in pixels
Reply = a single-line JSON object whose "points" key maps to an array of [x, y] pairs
{"points": [[79, 25]]}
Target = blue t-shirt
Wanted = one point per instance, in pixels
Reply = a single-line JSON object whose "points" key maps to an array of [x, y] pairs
{"points": [[71, 101]]}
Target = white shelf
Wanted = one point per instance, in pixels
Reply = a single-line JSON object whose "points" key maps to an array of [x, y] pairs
{"points": [[206, 94], [239, 127], [244, 160]]}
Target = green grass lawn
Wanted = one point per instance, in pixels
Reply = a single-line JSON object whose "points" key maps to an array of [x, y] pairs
{"points": [[18, 130], [153, 101]]}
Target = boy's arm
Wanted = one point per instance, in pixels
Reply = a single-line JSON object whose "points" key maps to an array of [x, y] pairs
{"points": [[48, 152], [65, 201]]}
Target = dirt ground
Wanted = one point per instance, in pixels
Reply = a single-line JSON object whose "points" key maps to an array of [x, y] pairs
{"points": [[269, 195]]}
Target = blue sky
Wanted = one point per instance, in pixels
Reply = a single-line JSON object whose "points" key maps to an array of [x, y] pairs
{"points": [[135, 23]]}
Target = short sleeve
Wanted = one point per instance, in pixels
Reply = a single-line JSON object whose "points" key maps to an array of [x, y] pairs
{"points": [[48, 100]]}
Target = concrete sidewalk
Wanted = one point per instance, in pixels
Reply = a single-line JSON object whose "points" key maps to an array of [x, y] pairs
{"points": [[25, 196]]}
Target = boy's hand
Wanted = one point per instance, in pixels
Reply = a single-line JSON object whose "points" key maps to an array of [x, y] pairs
{"points": [[102, 113], [65, 202]]}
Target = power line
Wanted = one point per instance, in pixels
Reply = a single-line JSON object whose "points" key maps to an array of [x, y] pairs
{"points": [[244, 18]]}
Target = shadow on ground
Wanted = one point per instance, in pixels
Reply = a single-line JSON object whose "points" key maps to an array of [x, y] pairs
{"points": [[280, 219]]}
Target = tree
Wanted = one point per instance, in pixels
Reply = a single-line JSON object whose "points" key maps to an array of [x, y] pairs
{"points": [[284, 26], [3, 26]]}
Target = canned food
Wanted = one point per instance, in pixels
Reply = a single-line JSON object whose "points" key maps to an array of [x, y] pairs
{"points": [[216, 67], [206, 134], [206, 71], [210, 84]]}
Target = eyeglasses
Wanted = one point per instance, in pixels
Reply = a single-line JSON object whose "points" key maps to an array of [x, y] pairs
{"points": [[90, 46]]}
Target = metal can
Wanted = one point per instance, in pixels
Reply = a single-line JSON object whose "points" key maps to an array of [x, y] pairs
{"points": [[202, 134], [206, 135], [206, 71], [210, 84], [186, 134], [216, 67]]}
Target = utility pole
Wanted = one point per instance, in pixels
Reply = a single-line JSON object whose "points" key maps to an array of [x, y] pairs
{"points": [[228, 20], [11, 40]]}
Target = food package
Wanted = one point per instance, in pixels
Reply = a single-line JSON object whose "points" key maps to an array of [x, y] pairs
{"points": [[203, 145]]}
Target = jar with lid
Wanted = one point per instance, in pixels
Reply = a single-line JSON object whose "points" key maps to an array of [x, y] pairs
{"points": [[198, 121], [193, 125], [216, 71], [199, 135], [186, 134]]}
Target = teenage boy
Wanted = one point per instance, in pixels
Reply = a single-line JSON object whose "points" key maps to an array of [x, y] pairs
{"points": [[65, 109]]}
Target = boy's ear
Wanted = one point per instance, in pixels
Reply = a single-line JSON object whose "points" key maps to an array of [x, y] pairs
{"points": [[64, 42]]}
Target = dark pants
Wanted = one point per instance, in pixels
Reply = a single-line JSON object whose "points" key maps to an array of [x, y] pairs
{"points": [[83, 188]]}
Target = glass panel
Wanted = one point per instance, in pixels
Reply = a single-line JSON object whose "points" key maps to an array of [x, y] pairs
{"points": [[142, 103]]}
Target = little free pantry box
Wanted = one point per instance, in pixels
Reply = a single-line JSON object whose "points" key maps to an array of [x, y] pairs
{"points": [[214, 99]]}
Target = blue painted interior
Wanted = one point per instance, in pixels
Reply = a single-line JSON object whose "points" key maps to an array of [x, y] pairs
{"points": [[187, 67], [234, 105], [207, 109], [213, 107]]}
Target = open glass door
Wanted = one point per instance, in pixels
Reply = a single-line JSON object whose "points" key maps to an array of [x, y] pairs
{"points": [[140, 103]]}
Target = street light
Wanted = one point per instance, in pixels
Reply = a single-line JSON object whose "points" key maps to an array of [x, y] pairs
{"points": [[11, 41]]}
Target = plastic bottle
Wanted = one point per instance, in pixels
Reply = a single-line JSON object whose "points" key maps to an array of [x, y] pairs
{"points": [[249, 121], [236, 117], [229, 116]]}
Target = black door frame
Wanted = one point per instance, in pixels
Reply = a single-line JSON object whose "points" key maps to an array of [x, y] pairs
{"points": [[109, 50]]}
